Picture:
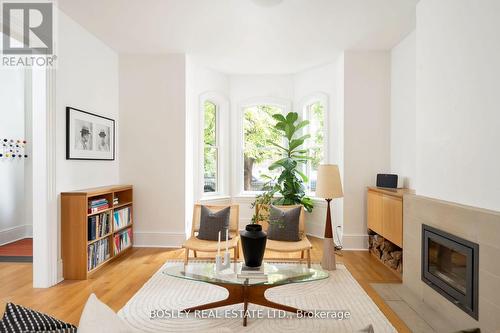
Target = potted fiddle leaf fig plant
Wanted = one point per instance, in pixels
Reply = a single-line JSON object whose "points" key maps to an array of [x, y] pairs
{"points": [[289, 184]]}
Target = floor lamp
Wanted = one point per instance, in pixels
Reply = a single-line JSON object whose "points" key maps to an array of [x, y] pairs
{"points": [[328, 187]]}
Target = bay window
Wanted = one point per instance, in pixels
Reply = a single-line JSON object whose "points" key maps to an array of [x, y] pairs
{"points": [[211, 148]]}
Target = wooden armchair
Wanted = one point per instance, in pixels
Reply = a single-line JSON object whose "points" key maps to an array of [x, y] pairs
{"points": [[201, 245], [302, 246]]}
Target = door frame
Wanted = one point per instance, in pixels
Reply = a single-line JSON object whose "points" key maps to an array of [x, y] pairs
{"points": [[45, 220]]}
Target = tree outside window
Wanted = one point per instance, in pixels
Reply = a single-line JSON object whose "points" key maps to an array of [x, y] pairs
{"points": [[211, 149], [316, 115], [258, 127]]}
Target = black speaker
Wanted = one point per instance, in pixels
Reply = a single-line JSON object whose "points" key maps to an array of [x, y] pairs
{"points": [[387, 180]]}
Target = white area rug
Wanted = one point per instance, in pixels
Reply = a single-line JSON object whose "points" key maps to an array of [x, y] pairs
{"points": [[339, 292]]}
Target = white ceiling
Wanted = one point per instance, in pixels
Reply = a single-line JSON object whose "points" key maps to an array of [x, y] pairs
{"points": [[246, 36]]}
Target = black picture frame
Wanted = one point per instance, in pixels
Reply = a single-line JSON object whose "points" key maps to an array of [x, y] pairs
{"points": [[89, 153]]}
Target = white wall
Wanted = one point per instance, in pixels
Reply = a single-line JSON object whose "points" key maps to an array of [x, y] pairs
{"points": [[152, 154], [13, 222], [87, 79], [366, 135], [458, 75], [403, 113], [322, 81]]}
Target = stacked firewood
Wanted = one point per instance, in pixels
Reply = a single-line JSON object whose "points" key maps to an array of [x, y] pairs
{"points": [[387, 252]]}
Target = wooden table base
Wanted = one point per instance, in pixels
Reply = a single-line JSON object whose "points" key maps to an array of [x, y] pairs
{"points": [[245, 294]]}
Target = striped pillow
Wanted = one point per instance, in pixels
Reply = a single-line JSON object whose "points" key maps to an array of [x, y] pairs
{"points": [[20, 319]]}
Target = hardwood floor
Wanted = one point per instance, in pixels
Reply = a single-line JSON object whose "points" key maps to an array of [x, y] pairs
{"points": [[116, 283], [20, 248]]}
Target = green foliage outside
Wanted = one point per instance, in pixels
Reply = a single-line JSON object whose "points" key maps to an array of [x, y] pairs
{"points": [[317, 134], [258, 128], [210, 150]]}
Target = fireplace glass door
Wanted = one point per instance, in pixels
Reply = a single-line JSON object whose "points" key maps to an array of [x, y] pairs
{"points": [[450, 266]]}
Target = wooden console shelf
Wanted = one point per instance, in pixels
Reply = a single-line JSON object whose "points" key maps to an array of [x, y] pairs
{"points": [[385, 212], [78, 227]]}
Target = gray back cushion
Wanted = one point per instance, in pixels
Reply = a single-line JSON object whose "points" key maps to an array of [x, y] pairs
{"points": [[213, 222], [284, 224]]}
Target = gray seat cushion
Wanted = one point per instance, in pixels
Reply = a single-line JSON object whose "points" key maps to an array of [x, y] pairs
{"points": [[284, 224], [213, 222]]}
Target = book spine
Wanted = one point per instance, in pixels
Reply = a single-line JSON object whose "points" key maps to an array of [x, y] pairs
{"points": [[93, 210]]}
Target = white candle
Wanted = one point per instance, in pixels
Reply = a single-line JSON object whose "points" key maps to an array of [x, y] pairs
{"points": [[227, 239], [218, 245]]}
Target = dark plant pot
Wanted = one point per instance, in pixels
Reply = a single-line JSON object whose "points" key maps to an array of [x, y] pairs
{"points": [[253, 242]]}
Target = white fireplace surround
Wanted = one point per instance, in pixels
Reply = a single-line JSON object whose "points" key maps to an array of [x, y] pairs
{"points": [[477, 225]]}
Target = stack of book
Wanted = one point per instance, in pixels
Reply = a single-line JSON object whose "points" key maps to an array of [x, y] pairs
{"points": [[123, 240], [98, 252], [97, 205], [98, 226], [253, 273], [122, 218]]}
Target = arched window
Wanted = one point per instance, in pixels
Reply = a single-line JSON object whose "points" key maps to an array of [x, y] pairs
{"points": [[258, 129], [315, 112], [211, 148]]}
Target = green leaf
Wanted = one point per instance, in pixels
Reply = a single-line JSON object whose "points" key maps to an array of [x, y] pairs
{"points": [[291, 117], [298, 142], [302, 175], [302, 157], [301, 151], [278, 164], [289, 131], [277, 145], [280, 126], [279, 117], [301, 124]]}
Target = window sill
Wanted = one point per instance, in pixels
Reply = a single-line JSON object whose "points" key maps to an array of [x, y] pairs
{"points": [[251, 196], [215, 197]]}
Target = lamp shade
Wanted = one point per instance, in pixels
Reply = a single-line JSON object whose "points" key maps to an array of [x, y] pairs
{"points": [[328, 185]]}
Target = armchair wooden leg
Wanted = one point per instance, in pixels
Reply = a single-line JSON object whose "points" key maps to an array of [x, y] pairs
{"points": [[302, 254], [309, 258], [235, 257], [186, 256], [195, 254]]}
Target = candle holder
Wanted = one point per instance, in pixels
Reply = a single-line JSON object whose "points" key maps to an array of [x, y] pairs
{"points": [[221, 264]]}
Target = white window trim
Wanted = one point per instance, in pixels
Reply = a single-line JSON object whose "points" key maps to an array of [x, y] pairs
{"points": [[222, 135], [322, 98], [238, 135]]}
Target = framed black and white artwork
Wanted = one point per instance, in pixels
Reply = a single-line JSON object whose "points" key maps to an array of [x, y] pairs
{"points": [[89, 136]]}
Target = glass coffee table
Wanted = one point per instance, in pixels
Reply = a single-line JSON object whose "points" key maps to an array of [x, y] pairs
{"points": [[246, 290]]}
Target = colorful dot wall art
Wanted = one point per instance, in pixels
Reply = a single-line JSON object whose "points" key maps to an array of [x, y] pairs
{"points": [[12, 149]]}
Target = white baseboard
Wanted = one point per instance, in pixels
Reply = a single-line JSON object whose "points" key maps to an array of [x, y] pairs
{"points": [[29, 231], [159, 239], [355, 242], [349, 242], [16, 233], [315, 229]]}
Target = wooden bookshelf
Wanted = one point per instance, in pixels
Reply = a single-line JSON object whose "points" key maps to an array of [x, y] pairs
{"points": [[75, 216]]}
